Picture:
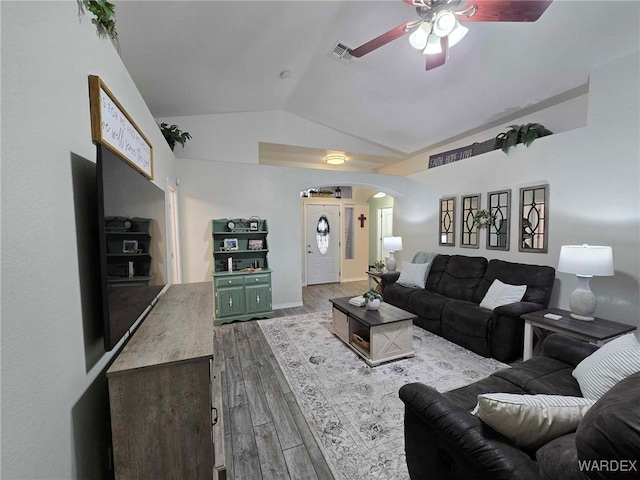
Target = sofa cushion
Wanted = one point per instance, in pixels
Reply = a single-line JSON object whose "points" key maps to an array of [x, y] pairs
{"points": [[539, 280], [544, 375], [611, 429], [398, 295], [427, 304], [438, 266], [413, 274], [558, 459], [500, 294], [461, 277], [608, 365], [530, 421], [466, 324]]}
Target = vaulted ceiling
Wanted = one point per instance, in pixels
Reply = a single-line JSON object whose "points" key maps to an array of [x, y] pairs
{"points": [[204, 57]]}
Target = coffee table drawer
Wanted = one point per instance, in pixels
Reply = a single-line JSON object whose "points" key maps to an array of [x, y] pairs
{"points": [[341, 325]]}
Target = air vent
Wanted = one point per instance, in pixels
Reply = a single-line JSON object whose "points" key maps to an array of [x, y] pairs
{"points": [[341, 53]]}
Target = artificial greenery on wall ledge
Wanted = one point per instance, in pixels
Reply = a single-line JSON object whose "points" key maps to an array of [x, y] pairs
{"points": [[173, 134], [525, 133], [104, 14]]}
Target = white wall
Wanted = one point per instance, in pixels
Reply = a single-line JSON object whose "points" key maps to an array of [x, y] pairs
{"points": [[211, 189], [594, 192], [53, 387]]}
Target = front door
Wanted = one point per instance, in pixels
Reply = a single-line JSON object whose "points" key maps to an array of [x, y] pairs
{"points": [[322, 242], [385, 229]]}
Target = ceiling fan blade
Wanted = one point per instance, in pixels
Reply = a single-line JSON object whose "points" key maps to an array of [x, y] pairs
{"points": [[437, 60], [504, 10], [381, 40]]}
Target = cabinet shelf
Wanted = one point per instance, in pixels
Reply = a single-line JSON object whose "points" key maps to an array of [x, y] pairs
{"points": [[128, 255], [128, 234], [243, 293]]}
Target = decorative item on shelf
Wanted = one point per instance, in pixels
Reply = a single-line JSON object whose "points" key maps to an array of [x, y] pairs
{"points": [[255, 244], [129, 246], [483, 219], [392, 245], [230, 244], [322, 192], [525, 133], [372, 299], [173, 134], [231, 225], [337, 192], [585, 261], [378, 266]]}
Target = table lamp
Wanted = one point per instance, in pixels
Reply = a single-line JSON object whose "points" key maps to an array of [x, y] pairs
{"points": [[585, 261], [391, 245]]}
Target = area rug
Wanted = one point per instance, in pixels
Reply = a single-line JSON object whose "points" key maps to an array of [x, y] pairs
{"points": [[352, 409]]}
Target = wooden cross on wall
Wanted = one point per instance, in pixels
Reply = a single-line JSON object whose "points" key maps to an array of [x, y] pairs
{"points": [[362, 218]]}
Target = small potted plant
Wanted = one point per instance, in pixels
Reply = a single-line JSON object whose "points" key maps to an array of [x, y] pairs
{"points": [[372, 299], [378, 266]]}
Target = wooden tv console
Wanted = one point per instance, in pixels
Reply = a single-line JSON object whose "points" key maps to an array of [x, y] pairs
{"points": [[166, 422]]}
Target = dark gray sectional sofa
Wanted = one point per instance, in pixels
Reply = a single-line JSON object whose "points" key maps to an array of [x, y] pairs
{"points": [[449, 305]]}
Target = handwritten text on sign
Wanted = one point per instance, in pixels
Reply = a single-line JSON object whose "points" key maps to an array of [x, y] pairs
{"points": [[112, 127]]}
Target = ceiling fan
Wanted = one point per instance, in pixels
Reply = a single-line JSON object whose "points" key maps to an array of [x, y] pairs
{"points": [[439, 27]]}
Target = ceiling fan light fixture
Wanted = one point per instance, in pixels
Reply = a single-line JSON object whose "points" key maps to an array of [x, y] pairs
{"points": [[444, 22], [418, 39], [335, 158], [457, 34], [433, 45]]}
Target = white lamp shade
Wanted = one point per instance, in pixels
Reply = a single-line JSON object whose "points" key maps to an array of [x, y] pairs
{"points": [[444, 23], [433, 45], [457, 34], [392, 244], [586, 260], [418, 39]]}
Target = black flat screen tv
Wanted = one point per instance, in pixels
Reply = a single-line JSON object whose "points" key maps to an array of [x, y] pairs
{"points": [[129, 292]]}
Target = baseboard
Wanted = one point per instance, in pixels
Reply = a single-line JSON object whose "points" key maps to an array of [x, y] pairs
{"points": [[280, 306], [359, 279]]}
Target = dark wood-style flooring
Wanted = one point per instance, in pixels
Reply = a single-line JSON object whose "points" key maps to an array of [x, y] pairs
{"points": [[266, 435]]}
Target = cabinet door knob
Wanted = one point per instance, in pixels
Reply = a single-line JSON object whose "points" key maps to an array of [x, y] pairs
{"points": [[229, 281], [257, 280]]}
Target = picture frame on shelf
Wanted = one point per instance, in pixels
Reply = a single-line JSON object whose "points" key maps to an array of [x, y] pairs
{"points": [[129, 246], [256, 244], [230, 244], [253, 225]]}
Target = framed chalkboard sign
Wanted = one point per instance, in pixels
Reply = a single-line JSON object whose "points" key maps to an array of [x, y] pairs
{"points": [[112, 127]]}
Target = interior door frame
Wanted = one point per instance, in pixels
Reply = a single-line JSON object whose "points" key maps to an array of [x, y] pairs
{"points": [[380, 234], [174, 233]]}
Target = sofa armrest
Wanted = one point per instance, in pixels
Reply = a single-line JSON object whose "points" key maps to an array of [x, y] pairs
{"points": [[517, 309], [389, 277], [566, 349], [444, 441]]}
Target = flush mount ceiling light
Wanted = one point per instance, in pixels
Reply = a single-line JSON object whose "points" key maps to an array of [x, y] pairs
{"points": [[380, 195], [439, 28], [335, 158]]}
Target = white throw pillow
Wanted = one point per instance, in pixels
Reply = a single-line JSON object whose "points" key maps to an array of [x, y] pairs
{"points": [[530, 421], [502, 294], [605, 367], [413, 274]]}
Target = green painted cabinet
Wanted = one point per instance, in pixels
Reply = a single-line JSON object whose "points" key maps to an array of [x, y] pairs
{"points": [[241, 273]]}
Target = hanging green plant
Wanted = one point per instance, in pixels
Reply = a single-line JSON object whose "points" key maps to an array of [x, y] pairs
{"points": [[173, 134], [104, 13], [483, 219], [525, 133]]}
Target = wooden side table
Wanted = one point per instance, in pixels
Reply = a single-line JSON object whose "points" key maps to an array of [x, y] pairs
{"points": [[598, 331], [375, 277]]}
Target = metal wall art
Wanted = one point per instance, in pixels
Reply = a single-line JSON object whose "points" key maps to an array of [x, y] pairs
{"points": [[499, 230], [469, 228], [534, 219], [447, 222]]}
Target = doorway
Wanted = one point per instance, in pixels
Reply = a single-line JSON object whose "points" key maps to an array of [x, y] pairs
{"points": [[322, 242], [176, 267], [385, 229]]}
